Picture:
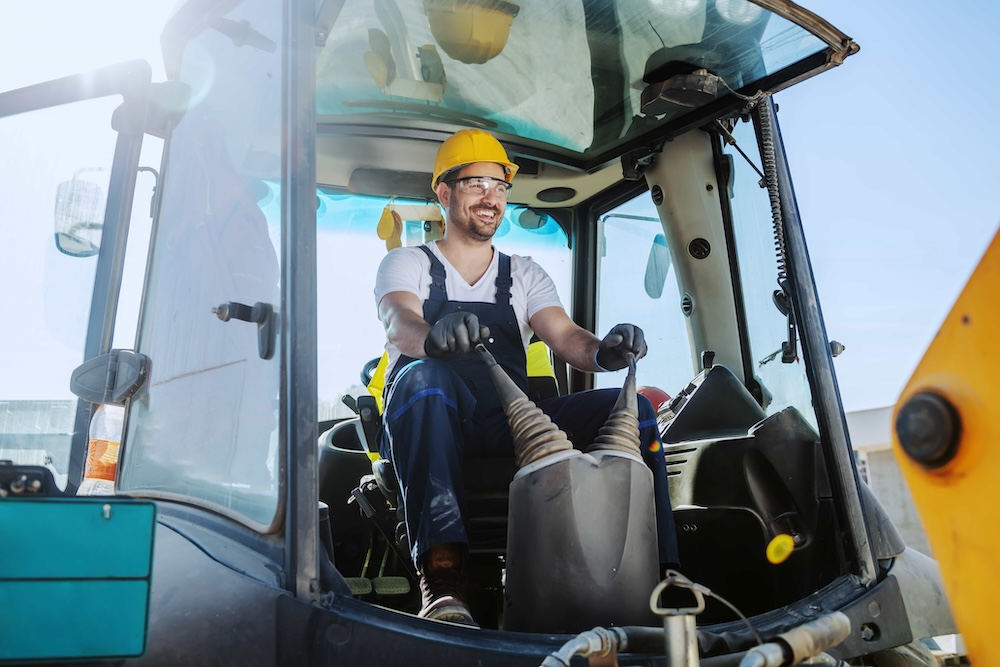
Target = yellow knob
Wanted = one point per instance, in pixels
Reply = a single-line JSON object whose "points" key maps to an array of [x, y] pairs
{"points": [[780, 548]]}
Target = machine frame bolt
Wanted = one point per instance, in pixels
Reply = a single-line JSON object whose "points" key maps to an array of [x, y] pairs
{"points": [[929, 429], [870, 632], [657, 194], [700, 248]]}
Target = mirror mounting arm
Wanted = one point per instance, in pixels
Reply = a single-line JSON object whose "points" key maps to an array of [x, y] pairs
{"points": [[636, 161]]}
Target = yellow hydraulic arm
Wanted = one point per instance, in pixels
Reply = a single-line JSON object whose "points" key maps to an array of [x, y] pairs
{"points": [[947, 442]]}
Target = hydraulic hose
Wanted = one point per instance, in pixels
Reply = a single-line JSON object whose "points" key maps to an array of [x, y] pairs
{"points": [[598, 642], [636, 639], [810, 640], [806, 641]]}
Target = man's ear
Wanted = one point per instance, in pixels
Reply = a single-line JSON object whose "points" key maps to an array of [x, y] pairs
{"points": [[443, 191]]}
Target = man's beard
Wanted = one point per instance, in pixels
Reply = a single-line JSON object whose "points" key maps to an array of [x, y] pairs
{"points": [[469, 223]]}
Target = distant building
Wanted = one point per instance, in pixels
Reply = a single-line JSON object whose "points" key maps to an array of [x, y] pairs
{"points": [[38, 433], [871, 438]]}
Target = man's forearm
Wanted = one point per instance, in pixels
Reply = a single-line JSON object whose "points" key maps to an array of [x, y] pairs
{"points": [[407, 331], [580, 351], [569, 341]]}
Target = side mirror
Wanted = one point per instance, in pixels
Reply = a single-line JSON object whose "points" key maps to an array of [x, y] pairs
{"points": [[111, 378], [531, 219], [657, 265], [79, 217]]}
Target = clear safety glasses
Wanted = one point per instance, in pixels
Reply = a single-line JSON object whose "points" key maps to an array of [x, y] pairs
{"points": [[481, 186]]}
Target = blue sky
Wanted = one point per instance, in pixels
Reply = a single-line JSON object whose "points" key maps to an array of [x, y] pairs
{"points": [[892, 156]]}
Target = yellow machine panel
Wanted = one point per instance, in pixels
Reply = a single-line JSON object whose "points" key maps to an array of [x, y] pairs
{"points": [[947, 442]]}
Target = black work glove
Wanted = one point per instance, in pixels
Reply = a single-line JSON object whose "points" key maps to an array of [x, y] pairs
{"points": [[455, 333], [621, 340]]}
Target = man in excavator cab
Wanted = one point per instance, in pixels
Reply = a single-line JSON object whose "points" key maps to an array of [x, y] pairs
{"points": [[437, 302]]}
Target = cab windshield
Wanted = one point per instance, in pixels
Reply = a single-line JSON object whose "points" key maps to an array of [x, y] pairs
{"points": [[354, 233], [781, 376], [408, 59]]}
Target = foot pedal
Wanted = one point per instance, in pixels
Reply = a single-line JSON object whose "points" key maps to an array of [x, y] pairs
{"points": [[359, 585], [391, 585]]}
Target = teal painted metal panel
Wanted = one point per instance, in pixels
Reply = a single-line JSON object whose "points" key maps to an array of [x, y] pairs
{"points": [[74, 577], [49, 620], [76, 538]]}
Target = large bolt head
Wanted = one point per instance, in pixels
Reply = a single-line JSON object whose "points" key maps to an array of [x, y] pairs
{"points": [[929, 429]]}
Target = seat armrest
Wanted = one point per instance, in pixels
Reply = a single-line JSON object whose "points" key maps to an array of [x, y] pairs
{"points": [[370, 418]]}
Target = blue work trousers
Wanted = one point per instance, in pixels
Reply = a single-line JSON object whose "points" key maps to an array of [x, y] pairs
{"points": [[431, 423]]}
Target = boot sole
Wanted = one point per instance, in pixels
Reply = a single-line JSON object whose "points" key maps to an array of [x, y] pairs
{"points": [[450, 611]]}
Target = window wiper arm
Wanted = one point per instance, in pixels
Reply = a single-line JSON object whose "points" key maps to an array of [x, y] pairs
{"points": [[730, 140], [789, 347]]}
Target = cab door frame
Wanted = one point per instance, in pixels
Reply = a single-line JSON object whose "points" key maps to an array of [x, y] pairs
{"points": [[297, 524], [299, 416], [830, 417]]}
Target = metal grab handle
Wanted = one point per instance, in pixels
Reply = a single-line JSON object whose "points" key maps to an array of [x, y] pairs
{"points": [[262, 314]]}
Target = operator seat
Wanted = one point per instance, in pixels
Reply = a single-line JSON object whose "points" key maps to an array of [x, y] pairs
{"points": [[486, 498]]}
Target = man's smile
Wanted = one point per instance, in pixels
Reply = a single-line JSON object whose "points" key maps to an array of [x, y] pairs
{"points": [[487, 213]]}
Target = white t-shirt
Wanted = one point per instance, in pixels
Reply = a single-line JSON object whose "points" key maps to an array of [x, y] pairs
{"points": [[409, 270]]}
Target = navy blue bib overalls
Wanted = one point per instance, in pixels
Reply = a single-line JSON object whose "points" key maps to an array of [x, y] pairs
{"points": [[438, 411]]}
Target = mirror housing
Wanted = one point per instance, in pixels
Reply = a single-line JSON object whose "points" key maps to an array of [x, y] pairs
{"points": [[111, 378], [79, 217], [657, 265]]}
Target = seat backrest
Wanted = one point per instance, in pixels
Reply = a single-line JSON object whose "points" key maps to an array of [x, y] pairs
{"points": [[376, 386], [539, 361], [542, 387]]}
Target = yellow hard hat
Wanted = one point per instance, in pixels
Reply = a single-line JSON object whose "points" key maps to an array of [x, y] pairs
{"points": [[469, 146]]}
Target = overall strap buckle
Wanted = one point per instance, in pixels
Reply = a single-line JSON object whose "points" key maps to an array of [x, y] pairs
{"points": [[504, 280]]}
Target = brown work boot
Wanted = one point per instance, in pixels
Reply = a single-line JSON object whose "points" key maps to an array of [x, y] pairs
{"points": [[442, 584]]}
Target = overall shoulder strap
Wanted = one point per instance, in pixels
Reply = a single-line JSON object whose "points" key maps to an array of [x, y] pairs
{"points": [[504, 281], [438, 275]]}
